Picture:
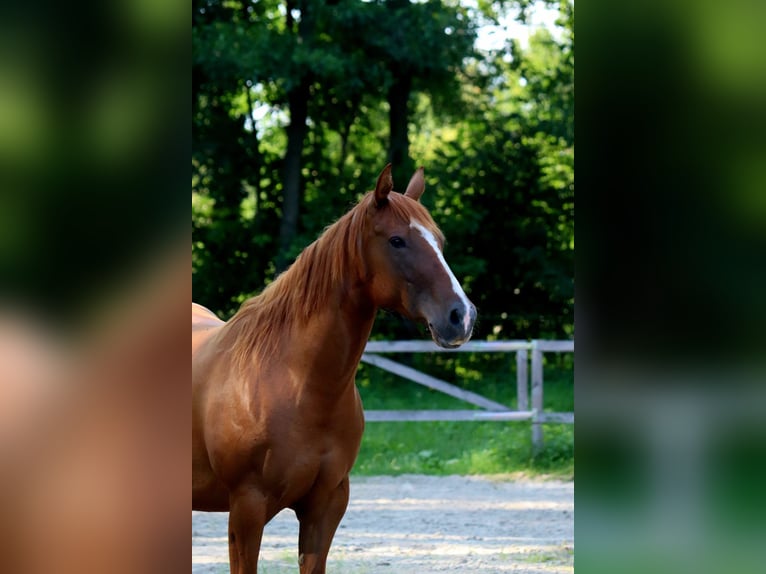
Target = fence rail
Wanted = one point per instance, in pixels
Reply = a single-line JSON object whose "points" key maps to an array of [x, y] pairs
{"points": [[528, 354]]}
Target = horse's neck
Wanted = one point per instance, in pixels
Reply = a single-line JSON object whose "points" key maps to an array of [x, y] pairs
{"points": [[328, 348]]}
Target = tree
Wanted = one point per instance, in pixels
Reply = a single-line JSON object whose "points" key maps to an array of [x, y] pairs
{"points": [[423, 46], [296, 105]]}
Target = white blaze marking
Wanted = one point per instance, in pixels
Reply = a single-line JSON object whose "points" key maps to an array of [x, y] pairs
{"points": [[431, 240]]}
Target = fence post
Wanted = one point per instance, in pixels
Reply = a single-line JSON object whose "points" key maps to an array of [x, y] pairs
{"points": [[522, 381], [537, 397]]}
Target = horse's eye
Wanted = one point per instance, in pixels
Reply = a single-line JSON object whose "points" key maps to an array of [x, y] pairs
{"points": [[397, 242]]}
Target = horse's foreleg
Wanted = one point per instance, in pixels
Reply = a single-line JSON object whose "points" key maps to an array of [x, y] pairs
{"points": [[319, 515], [247, 517]]}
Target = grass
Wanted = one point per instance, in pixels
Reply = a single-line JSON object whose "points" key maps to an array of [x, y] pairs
{"points": [[560, 555], [287, 563], [464, 447]]}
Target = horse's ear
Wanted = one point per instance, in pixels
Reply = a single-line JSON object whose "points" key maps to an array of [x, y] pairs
{"points": [[384, 186], [417, 185]]}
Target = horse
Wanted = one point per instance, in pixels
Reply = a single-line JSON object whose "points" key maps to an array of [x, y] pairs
{"points": [[276, 416]]}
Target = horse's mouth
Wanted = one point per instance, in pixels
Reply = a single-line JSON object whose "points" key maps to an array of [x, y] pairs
{"points": [[449, 345], [445, 344]]}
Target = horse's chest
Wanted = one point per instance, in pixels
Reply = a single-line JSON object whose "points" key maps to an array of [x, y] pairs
{"points": [[290, 476], [302, 453], [288, 445]]}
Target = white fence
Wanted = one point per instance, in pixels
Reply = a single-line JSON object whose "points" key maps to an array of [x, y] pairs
{"points": [[526, 352]]}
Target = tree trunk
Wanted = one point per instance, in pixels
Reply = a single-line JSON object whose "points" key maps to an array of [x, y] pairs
{"points": [[291, 190], [297, 100], [398, 119]]}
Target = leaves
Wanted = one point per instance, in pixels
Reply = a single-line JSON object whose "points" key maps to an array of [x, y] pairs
{"points": [[494, 131]]}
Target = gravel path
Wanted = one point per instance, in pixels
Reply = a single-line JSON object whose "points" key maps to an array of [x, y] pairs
{"points": [[421, 524]]}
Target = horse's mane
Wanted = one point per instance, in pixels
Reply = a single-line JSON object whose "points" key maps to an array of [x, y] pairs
{"points": [[335, 260]]}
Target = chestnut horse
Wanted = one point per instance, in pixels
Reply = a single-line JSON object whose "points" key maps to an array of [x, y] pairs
{"points": [[277, 419]]}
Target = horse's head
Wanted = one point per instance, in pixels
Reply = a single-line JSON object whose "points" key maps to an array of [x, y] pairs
{"points": [[406, 268]]}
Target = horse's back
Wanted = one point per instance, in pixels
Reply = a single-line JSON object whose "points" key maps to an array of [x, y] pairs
{"points": [[202, 317], [204, 322]]}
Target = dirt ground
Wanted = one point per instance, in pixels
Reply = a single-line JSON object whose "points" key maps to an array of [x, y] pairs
{"points": [[422, 524]]}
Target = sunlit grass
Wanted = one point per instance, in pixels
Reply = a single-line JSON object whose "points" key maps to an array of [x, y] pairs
{"points": [[465, 447]]}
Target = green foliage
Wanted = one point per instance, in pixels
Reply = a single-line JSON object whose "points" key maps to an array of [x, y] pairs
{"points": [[495, 132]]}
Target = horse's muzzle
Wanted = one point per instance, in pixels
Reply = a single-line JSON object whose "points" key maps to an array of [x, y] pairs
{"points": [[456, 328]]}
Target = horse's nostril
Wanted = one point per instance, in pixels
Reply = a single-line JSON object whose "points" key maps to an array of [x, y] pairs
{"points": [[454, 317]]}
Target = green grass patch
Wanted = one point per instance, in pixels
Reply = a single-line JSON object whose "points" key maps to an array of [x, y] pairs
{"points": [[287, 563], [464, 447]]}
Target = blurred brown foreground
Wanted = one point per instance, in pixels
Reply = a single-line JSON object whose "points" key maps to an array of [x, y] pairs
{"points": [[94, 427]]}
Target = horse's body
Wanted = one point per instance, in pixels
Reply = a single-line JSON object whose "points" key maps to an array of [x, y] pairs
{"points": [[277, 419]]}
